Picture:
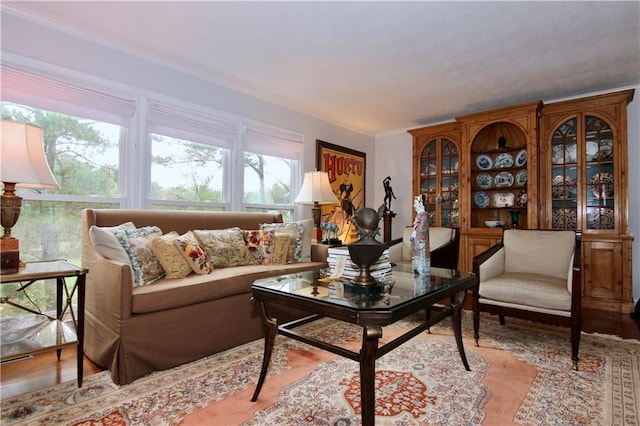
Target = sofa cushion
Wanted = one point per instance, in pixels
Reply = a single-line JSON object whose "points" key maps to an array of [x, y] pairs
{"points": [[196, 256], [225, 247], [194, 289], [106, 243], [172, 261], [137, 243], [260, 244]]}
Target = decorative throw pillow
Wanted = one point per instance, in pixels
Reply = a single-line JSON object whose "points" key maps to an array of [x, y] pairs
{"points": [[260, 244], [172, 261], [106, 243], [137, 243], [197, 257], [280, 248], [225, 247], [295, 232], [305, 255]]}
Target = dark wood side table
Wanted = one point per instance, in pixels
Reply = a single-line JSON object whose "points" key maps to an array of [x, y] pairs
{"points": [[41, 332], [405, 295]]}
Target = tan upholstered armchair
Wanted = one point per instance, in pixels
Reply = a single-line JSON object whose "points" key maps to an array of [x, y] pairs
{"points": [[534, 275], [444, 245]]}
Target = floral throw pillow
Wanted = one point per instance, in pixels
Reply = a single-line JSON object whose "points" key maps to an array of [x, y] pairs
{"points": [[225, 247], [137, 243], [169, 256], [197, 257], [295, 232], [260, 244]]}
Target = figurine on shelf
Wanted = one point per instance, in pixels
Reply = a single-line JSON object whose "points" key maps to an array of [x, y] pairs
{"points": [[388, 193], [420, 254]]}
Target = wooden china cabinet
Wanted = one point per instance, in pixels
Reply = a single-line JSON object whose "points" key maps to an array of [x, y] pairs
{"points": [[534, 166], [583, 186]]}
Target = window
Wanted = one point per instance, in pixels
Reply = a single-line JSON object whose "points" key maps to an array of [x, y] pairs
{"points": [[113, 148], [190, 157], [83, 132], [271, 169]]}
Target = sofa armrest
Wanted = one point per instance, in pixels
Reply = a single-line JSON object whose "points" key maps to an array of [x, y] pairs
{"points": [[319, 252]]}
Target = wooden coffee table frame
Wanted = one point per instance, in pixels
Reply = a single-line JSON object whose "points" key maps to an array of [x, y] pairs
{"points": [[371, 320]]}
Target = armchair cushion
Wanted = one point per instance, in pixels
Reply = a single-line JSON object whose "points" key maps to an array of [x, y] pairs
{"points": [[526, 289]]}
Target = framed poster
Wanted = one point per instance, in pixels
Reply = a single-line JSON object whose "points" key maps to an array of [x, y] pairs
{"points": [[346, 170]]}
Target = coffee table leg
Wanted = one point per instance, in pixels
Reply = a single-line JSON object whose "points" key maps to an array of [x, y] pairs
{"points": [[370, 338], [456, 322], [269, 340]]}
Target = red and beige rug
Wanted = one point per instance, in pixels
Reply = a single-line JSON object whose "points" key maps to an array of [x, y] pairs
{"points": [[521, 374]]}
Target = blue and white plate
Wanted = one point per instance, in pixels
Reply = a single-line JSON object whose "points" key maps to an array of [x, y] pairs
{"points": [[484, 162], [484, 180], [521, 177], [504, 160], [521, 158], [503, 179], [481, 199]]}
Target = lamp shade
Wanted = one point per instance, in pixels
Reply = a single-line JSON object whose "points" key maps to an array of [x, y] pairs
{"points": [[23, 160], [316, 189]]}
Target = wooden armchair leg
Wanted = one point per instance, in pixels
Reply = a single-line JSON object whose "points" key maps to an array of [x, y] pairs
{"points": [[476, 327], [575, 346]]}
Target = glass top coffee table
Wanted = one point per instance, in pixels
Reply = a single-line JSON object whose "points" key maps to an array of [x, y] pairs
{"points": [[400, 295]]}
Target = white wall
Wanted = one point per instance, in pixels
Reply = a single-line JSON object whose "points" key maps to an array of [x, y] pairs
{"points": [[28, 40], [394, 158]]}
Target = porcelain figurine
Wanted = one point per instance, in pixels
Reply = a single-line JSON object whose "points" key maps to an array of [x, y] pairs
{"points": [[420, 254]]}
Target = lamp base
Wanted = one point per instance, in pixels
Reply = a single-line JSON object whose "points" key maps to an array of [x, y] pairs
{"points": [[9, 255]]}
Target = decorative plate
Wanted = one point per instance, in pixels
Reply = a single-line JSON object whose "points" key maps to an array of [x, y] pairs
{"points": [[562, 186], [503, 179], [504, 160], [484, 180], [606, 150], [521, 177], [484, 162], [521, 158], [453, 218], [591, 151], [564, 219], [481, 199], [602, 185], [561, 156], [602, 219], [503, 199]]}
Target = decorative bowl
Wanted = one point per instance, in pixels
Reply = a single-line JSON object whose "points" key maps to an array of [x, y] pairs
{"points": [[494, 223]]}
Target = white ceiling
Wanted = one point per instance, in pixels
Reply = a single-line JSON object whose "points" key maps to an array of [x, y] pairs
{"points": [[374, 67]]}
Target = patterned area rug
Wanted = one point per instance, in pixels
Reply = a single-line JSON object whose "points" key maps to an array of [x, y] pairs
{"points": [[520, 374]]}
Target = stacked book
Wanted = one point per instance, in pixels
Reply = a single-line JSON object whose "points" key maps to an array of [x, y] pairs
{"points": [[341, 265]]}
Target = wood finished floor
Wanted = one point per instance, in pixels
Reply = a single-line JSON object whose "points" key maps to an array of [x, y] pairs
{"points": [[44, 370]]}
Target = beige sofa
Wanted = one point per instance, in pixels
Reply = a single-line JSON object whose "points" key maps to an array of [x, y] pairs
{"points": [[134, 330]]}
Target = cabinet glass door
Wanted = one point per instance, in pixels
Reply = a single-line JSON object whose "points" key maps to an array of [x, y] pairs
{"points": [[564, 191], [599, 176], [439, 182], [586, 159]]}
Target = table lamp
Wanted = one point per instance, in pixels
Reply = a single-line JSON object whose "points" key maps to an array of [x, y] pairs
{"points": [[23, 165], [316, 190]]}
